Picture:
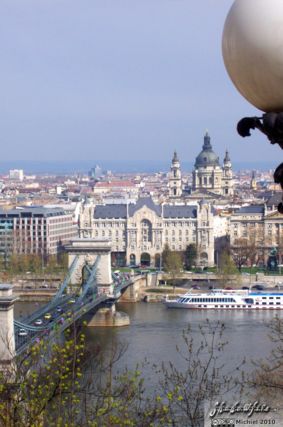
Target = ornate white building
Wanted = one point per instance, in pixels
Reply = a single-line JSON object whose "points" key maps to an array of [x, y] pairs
{"points": [[208, 175], [140, 231]]}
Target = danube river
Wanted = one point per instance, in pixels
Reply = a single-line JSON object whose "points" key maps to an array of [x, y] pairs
{"points": [[154, 332]]}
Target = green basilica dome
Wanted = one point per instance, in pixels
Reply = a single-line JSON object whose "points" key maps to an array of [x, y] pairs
{"points": [[206, 157]]}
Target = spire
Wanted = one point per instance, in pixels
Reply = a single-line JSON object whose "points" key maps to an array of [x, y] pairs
{"points": [[175, 157], [227, 157], [206, 142]]}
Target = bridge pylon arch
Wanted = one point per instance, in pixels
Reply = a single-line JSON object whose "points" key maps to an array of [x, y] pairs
{"points": [[87, 251]]}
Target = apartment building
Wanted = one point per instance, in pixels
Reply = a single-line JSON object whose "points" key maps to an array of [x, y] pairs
{"points": [[36, 230], [259, 227]]}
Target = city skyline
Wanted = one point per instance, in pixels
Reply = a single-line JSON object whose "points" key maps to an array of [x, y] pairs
{"points": [[119, 81]]}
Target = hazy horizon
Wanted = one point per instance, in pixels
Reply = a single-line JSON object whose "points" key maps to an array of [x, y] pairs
{"points": [[140, 166]]}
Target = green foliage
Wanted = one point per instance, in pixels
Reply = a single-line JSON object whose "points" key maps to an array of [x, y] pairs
{"points": [[227, 265], [21, 263], [227, 270], [165, 255], [43, 386], [172, 261], [190, 256], [56, 385]]}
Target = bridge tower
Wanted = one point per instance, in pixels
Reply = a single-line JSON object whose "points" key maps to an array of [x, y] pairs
{"points": [[87, 250], [7, 338]]}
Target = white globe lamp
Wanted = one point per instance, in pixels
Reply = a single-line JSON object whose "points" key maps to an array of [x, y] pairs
{"points": [[252, 47]]}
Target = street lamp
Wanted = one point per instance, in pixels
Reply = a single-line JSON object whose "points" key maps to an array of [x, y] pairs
{"points": [[252, 47]]}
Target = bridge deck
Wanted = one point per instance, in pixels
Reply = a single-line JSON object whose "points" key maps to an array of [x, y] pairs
{"points": [[60, 313]]}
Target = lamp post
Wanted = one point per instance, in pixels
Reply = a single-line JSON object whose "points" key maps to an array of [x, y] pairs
{"points": [[252, 47]]}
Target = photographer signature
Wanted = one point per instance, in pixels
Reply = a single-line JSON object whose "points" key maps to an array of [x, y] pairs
{"points": [[237, 407]]}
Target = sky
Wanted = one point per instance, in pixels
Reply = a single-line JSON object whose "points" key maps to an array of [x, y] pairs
{"points": [[118, 81]]}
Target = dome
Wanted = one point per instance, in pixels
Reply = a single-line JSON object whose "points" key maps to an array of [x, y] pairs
{"points": [[206, 157]]}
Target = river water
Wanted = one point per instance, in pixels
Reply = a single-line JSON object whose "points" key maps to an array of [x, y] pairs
{"points": [[154, 332]]}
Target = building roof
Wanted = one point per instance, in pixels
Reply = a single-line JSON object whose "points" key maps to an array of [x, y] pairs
{"points": [[144, 201], [111, 184], [120, 210], [32, 211], [180, 211], [110, 211], [252, 209]]}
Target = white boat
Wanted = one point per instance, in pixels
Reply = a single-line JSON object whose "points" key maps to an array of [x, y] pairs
{"points": [[228, 299]]}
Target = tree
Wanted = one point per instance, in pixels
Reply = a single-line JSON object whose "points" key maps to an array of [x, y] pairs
{"points": [[165, 255], [204, 377], [227, 269], [242, 251], [267, 379], [57, 385], [190, 256], [172, 263]]}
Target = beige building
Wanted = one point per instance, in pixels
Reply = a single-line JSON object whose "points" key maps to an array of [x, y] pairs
{"points": [[259, 227], [140, 231]]}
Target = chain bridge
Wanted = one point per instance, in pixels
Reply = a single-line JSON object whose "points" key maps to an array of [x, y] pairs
{"points": [[89, 285]]}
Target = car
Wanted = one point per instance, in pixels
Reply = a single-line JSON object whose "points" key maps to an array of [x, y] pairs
{"points": [[38, 322], [22, 333], [72, 301], [258, 287], [228, 288], [59, 309], [245, 287], [195, 287], [47, 316], [44, 285]]}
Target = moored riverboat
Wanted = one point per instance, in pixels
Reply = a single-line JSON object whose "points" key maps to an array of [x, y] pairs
{"points": [[228, 299]]}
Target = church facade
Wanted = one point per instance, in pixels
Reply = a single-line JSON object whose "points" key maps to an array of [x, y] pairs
{"points": [[209, 175]]}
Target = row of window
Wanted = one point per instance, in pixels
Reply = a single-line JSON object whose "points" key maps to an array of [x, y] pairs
{"points": [[212, 300], [98, 224]]}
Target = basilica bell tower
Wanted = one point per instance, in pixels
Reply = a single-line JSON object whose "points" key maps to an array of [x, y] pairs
{"points": [[175, 178]]}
